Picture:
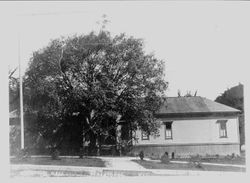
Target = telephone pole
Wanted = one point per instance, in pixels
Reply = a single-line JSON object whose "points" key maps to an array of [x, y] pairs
{"points": [[21, 95]]}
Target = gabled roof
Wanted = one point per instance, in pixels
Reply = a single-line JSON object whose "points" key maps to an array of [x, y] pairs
{"points": [[189, 105]]}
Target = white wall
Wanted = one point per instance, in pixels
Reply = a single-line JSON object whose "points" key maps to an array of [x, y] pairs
{"points": [[194, 131]]}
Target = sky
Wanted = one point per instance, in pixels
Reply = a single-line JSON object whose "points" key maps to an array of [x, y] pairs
{"points": [[205, 45]]}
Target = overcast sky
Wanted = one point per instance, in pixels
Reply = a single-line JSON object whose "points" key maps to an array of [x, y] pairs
{"points": [[205, 45]]}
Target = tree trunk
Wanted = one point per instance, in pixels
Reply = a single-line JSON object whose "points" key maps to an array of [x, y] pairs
{"points": [[118, 139], [99, 145], [92, 144], [82, 136]]}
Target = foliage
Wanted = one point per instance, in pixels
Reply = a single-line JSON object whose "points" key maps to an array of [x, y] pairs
{"points": [[80, 87], [81, 153], [13, 91], [188, 94], [141, 155], [23, 154], [55, 154], [14, 140], [165, 158], [195, 158], [195, 161], [233, 97]]}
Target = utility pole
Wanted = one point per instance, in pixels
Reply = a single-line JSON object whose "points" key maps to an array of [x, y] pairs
{"points": [[21, 95]]}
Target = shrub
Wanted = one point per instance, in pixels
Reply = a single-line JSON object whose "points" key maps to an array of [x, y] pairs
{"points": [[22, 153], [195, 161], [230, 157], [198, 165], [178, 156], [172, 155], [233, 156], [165, 158], [154, 156], [227, 157], [113, 151], [14, 141], [55, 155], [195, 158], [141, 155]]}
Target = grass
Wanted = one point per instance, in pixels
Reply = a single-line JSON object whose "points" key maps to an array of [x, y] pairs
{"points": [[239, 160], [86, 162], [47, 173], [188, 166], [225, 160]]}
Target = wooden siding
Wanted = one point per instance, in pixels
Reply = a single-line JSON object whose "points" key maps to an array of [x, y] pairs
{"points": [[205, 131], [186, 150]]}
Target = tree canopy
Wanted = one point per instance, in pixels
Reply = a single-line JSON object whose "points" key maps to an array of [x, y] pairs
{"points": [[83, 85], [188, 94], [233, 97]]}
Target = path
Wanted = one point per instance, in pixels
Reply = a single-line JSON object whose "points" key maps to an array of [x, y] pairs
{"points": [[122, 163], [115, 166]]}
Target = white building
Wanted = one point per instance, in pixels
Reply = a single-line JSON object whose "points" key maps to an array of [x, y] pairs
{"points": [[191, 126]]}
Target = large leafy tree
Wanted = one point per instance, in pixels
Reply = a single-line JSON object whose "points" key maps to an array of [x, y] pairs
{"points": [[83, 85]]}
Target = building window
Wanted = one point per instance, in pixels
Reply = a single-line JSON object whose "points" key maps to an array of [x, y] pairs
{"points": [[168, 130], [223, 128], [144, 135]]}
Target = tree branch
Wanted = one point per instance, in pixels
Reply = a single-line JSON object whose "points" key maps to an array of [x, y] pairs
{"points": [[12, 72]]}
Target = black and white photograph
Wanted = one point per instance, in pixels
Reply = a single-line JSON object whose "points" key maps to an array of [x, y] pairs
{"points": [[126, 89]]}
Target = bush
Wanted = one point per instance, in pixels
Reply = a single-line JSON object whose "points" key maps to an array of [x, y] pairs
{"points": [[195, 161], [55, 155], [81, 153], [196, 158], [198, 165], [22, 153], [172, 155], [227, 157], [141, 155], [233, 156], [165, 158], [154, 157], [113, 151]]}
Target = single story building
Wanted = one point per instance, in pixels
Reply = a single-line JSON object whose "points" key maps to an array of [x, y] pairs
{"points": [[191, 126]]}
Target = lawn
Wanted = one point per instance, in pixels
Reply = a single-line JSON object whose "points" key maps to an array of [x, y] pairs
{"points": [[234, 161], [48, 173], [86, 161], [188, 166]]}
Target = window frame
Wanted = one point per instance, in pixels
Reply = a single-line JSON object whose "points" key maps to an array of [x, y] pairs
{"points": [[223, 131], [171, 130], [144, 135]]}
